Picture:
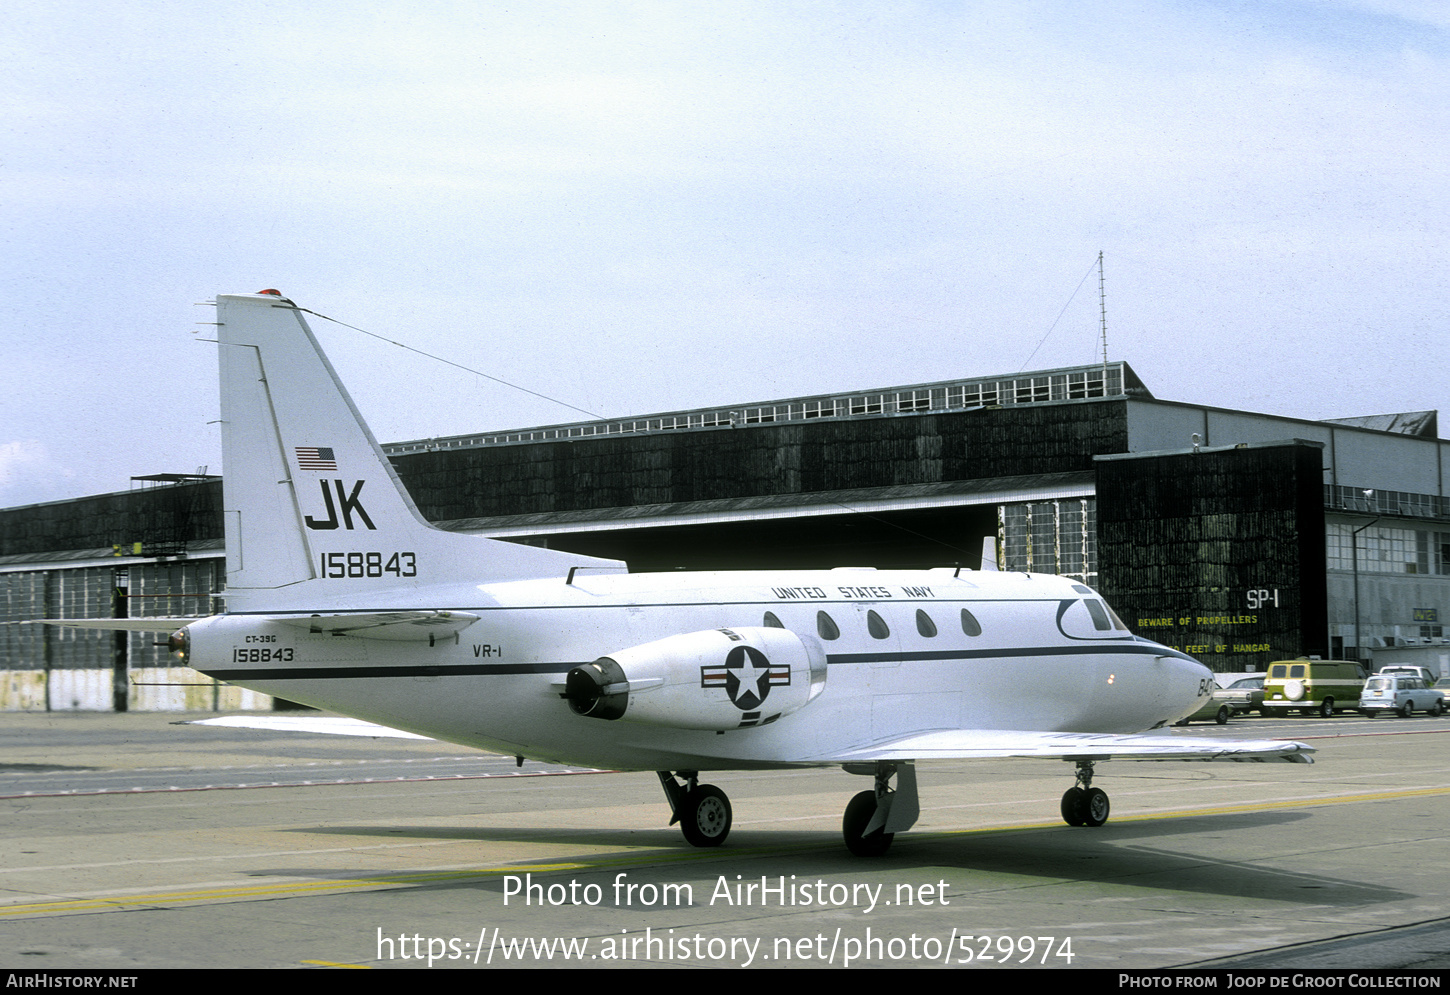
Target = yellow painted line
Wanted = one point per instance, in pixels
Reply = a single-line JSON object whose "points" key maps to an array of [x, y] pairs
{"points": [[116, 903], [333, 963], [1369, 796], [1188, 813]]}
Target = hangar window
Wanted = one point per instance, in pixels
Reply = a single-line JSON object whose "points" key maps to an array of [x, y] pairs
{"points": [[876, 625], [970, 625], [771, 622], [924, 624], [826, 626]]}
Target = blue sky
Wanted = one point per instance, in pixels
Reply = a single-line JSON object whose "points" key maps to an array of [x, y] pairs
{"points": [[646, 206]]}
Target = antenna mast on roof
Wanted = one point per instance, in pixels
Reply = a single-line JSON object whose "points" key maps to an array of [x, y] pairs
{"points": [[1103, 310]]}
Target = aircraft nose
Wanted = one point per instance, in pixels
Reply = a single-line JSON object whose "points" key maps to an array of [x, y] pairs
{"points": [[1195, 679]]}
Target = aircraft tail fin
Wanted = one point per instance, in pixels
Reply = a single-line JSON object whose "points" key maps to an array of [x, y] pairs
{"points": [[989, 553], [310, 497]]}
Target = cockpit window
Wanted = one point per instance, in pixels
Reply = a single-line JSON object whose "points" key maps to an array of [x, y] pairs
{"points": [[876, 625], [1099, 613], [970, 625], [924, 624], [771, 622], [826, 626]]}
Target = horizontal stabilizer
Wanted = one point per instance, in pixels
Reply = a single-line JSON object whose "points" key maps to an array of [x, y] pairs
{"points": [[123, 624], [400, 625], [962, 744]]}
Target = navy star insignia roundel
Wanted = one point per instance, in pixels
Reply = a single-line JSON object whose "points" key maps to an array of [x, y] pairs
{"points": [[747, 677]]}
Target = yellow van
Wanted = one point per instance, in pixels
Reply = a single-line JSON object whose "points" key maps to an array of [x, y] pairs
{"points": [[1312, 686]]}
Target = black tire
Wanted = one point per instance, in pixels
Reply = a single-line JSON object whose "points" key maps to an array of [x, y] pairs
{"points": [[705, 816], [1073, 807], [1435, 709], [1407, 709], [1326, 708], [1223, 713], [858, 814], [1095, 807]]}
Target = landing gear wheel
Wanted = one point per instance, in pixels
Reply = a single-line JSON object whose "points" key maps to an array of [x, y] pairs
{"points": [[858, 815], [1095, 807], [1073, 806], [705, 816]]}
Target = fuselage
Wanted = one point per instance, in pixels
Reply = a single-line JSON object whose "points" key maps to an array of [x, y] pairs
{"points": [[905, 652]]}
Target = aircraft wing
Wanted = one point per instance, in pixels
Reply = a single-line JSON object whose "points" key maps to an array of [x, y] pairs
{"points": [[958, 744], [329, 725]]}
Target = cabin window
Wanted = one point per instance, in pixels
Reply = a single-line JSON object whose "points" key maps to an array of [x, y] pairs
{"points": [[1278, 671], [876, 625], [970, 625], [1099, 614], [771, 622], [826, 626], [924, 624], [1297, 670]]}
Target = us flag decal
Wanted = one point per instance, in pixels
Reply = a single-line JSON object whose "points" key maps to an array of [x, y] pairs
{"points": [[315, 458]]}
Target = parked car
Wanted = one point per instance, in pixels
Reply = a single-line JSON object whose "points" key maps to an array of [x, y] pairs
{"points": [[1237, 694], [1406, 670], [1399, 693], [1311, 687], [1219, 707], [1248, 691]]}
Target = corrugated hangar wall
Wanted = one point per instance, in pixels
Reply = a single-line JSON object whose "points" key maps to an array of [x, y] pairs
{"points": [[649, 468], [1219, 553], [799, 458], [104, 520]]}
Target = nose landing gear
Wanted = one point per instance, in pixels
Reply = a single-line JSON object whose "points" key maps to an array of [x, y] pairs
{"points": [[1082, 804]]}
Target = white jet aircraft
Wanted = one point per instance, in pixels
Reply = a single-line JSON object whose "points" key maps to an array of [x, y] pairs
{"points": [[341, 596]]}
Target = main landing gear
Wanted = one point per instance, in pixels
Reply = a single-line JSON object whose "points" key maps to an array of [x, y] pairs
{"points": [[1083, 804], [702, 810], [872, 819]]}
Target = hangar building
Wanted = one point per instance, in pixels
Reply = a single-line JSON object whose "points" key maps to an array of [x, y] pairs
{"points": [[1237, 537]]}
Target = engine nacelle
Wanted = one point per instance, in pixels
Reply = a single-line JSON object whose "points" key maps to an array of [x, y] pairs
{"points": [[718, 679]]}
